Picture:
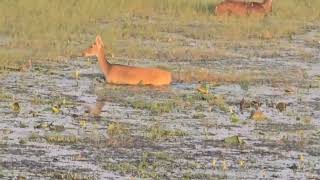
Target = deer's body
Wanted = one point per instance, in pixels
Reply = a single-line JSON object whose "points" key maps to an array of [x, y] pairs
{"points": [[240, 8], [122, 74]]}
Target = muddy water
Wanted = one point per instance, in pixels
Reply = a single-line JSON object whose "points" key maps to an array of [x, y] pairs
{"points": [[190, 137]]}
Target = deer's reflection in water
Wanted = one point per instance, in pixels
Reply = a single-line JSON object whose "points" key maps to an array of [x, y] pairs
{"points": [[96, 109], [122, 94]]}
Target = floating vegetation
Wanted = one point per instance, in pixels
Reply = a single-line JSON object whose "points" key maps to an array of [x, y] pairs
{"points": [[23, 125], [71, 175], [34, 113], [195, 175], [234, 118], [242, 163], [77, 74], [4, 95], [244, 105], [56, 109], [157, 132], [198, 116], [21, 178], [117, 129], [281, 106], [83, 123], [42, 125], [149, 165], [6, 131], [62, 139], [22, 141], [244, 85], [233, 140], [57, 128], [16, 107], [211, 99], [51, 126], [219, 101], [204, 88]]}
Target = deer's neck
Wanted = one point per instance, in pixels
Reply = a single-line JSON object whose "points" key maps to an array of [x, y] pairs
{"points": [[267, 5], [103, 63]]}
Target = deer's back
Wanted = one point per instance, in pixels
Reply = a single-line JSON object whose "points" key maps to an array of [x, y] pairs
{"points": [[120, 74], [239, 8]]}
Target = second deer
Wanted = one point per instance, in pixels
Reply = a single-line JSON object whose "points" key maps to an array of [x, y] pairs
{"points": [[241, 8], [122, 74]]}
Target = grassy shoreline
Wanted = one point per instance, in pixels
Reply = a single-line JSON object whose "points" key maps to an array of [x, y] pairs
{"points": [[41, 29]]}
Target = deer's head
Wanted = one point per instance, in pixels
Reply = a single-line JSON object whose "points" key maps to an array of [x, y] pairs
{"points": [[95, 48]]}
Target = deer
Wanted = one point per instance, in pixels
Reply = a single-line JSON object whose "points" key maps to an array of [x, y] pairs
{"points": [[123, 74], [241, 8]]}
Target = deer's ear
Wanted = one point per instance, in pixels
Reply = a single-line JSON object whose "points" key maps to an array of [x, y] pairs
{"points": [[99, 41]]}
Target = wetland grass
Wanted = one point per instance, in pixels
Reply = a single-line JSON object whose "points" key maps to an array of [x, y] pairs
{"points": [[61, 139], [41, 29], [157, 132], [214, 100], [198, 116], [4, 95], [244, 78], [70, 175], [117, 129], [149, 165], [120, 135], [154, 107], [189, 175]]}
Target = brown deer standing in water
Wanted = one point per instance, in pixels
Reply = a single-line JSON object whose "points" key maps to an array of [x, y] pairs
{"points": [[122, 74], [240, 8]]}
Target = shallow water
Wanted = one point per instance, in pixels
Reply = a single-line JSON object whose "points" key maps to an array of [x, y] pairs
{"points": [[284, 146]]}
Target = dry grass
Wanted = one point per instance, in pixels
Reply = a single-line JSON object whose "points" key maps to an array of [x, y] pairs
{"points": [[205, 75]]}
